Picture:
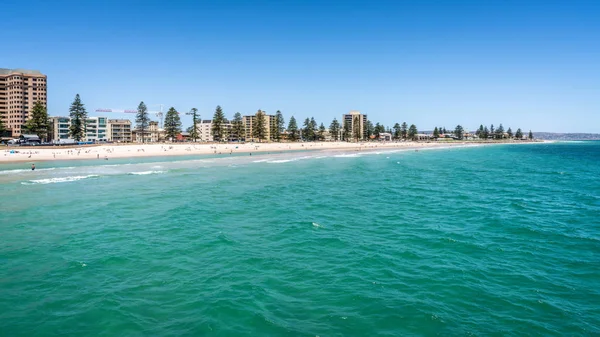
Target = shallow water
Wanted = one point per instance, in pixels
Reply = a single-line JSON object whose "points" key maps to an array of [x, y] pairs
{"points": [[487, 240]]}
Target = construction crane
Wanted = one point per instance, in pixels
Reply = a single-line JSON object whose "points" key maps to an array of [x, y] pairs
{"points": [[158, 113]]}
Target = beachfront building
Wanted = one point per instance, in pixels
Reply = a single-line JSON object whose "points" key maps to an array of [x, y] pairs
{"points": [[119, 130], [385, 137], [96, 129], [19, 90], [356, 120], [249, 121], [205, 126], [152, 134], [59, 127]]}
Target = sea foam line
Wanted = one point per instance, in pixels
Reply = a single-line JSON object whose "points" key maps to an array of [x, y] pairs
{"points": [[142, 173], [58, 180]]}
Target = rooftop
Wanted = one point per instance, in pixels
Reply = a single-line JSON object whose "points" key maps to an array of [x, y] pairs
{"points": [[6, 71]]}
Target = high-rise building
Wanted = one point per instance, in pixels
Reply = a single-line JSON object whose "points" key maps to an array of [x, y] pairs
{"points": [[19, 90], [270, 123], [357, 123]]}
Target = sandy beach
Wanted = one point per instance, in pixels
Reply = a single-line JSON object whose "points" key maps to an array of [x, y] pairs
{"points": [[110, 151]]}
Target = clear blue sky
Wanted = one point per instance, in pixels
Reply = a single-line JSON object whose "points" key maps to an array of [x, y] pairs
{"points": [[528, 64]]}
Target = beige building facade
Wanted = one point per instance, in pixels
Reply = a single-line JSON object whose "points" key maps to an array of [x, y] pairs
{"points": [[19, 90], [204, 128], [152, 134], [119, 130], [270, 123], [357, 121]]}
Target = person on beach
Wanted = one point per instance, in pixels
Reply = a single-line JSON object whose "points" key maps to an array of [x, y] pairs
{"points": [[33, 167]]}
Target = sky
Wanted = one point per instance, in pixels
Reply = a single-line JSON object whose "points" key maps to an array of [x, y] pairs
{"points": [[526, 64]]}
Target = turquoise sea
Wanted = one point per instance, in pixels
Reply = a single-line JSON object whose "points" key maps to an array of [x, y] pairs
{"points": [[499, 240]]}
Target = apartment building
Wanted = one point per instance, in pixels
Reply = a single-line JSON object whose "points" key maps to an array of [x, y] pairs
{"points": [[96, 129], [205, 126], [270, 122], [19, 90], [119, 130], [356, 120]]}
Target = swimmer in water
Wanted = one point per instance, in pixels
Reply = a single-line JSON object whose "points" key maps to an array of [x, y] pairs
{"points": [[33, 167]]}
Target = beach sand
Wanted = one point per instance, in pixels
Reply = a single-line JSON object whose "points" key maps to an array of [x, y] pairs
{"points": [[110, 151]]}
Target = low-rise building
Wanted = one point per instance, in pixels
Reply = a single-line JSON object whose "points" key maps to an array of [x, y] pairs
{"points": [[95, 129], [119, 130], [205, 132]]}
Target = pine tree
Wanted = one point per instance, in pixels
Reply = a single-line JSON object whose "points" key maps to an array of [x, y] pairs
{"points": [[519, 134], [459, 131], [486, 133], [306, 130], [510, 133], [412, 132], [445, 131], [142, 119], [334, 129], [492, 130], [2, 128], [313, 129], [397, 131], [376, 130], [480, 132], [530, 135], [218, 124], [436, 133], [500, 132], [280, 125], [259, 130], [292, 129], [237, 127], [194, 130], [370, 129], [78, 118], [346, 133], [356, 128], [404, 130], [322, 131], [172, 124], [39, 123]]}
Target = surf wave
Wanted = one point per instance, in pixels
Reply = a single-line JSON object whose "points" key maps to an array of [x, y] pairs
{"points": [[142, 173], [58, 180]]}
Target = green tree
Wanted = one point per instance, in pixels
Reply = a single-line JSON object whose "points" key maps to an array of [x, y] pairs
{"points": [[492, 130], [194, 130], [510, 133], [397, 131], [218, 125], [404, 130], [479, 131], [142, 119], [519, 134], [459, 131], [237, 127], [356, 128], [436, 133], [2, 128], [412, 132], [292, 129], [346, 132], [172, 124], [377, 130], [39, 124], [486, 133], [322, 131], [500, 132], [334, 129], [530, 135], [259, 130], [370, 129], [314, 129], [78, 116], [280, 122]]}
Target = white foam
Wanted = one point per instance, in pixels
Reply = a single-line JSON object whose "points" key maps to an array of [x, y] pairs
{"points": [[26, 170], [260, 161], [354, 155], [288, 160], [142, 173], [58, 180]]}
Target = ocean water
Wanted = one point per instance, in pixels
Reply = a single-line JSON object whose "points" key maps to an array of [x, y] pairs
{"points": [[493, 240]]}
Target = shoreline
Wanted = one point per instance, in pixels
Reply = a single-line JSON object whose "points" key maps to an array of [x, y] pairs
{"points": [[11, 155]]}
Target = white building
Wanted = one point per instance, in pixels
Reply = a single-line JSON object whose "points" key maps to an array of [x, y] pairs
{"points": [[204, 128], [97, 129]]}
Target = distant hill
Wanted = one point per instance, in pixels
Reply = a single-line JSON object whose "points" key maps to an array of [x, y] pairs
{"points": [[566, 136]]}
